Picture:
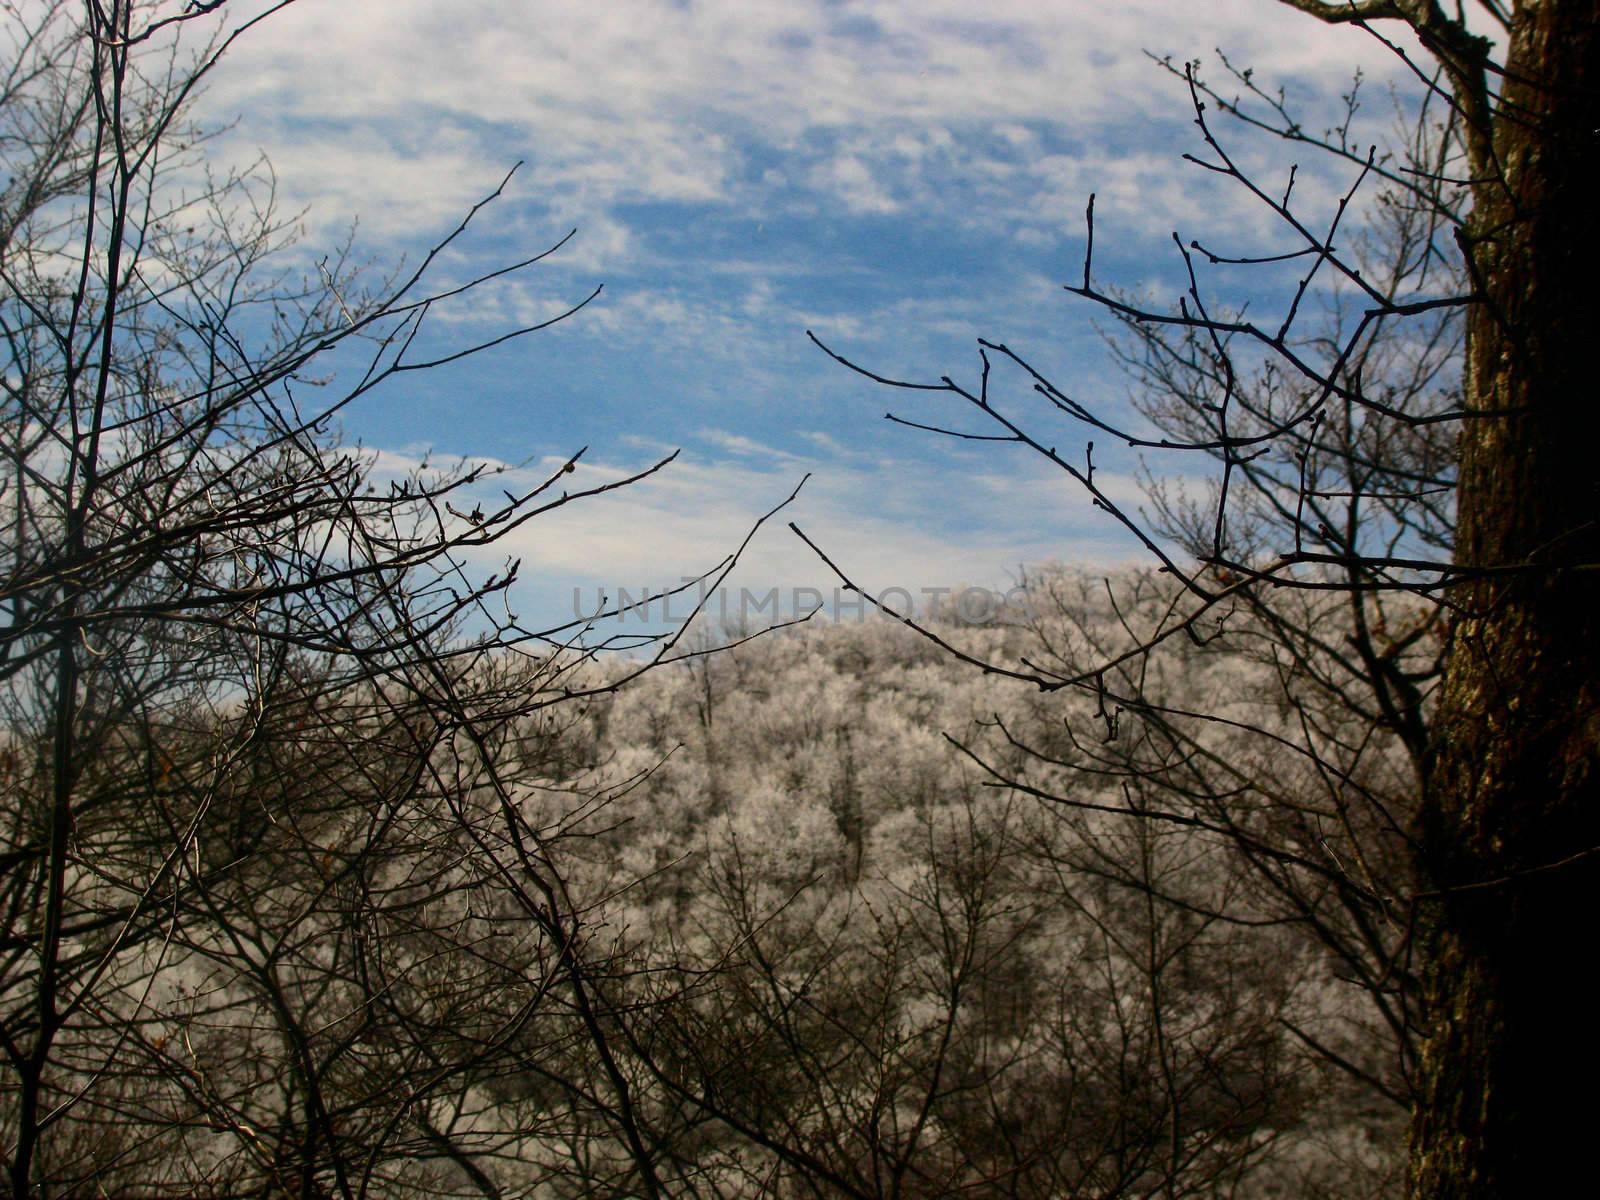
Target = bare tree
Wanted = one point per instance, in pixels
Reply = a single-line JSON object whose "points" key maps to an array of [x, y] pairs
{"points": [[277, 916], [1419, 458]]}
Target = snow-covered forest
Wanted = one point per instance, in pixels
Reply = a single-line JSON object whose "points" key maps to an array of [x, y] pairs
{"points": [[901, 928], [836, 913]]}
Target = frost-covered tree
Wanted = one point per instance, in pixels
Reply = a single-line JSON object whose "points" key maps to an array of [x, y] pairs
{"points": [[866, 965]]}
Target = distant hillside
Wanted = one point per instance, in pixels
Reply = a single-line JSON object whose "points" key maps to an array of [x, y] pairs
{"points": [[872, 950]]}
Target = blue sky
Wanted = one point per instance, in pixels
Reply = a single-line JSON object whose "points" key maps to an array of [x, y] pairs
{"points": [[899, 177]]}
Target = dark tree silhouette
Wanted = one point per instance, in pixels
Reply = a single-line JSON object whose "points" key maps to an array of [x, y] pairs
{"points": [[275, 916], [1420, 457]]}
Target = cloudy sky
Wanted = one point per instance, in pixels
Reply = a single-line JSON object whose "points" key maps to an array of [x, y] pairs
{"points": [[899, 177]]}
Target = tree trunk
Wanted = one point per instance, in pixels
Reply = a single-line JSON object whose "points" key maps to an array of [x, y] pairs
{"points": [[1511, 818]]}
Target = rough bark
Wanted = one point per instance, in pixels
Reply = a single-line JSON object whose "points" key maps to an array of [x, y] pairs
{"points": [[1511, 817]]}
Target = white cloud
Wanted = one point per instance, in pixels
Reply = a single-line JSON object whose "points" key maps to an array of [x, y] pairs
{"points": [[877, 518], [855, 184], [390, 107], [739, 444]]}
